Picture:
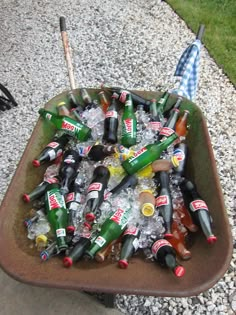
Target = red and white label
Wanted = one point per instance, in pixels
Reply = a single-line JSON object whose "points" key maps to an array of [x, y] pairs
{"points": [[165, 131], [52, 180], [60, 232], [155, 125], [67, 126], [158, 244], [111, 114], [53, 145], [48, 116], [70, 197], [53, 202], [107, 195], [122, 98], [95, 186], [86, 234], [132, 230], [162, 200], [128, 123], [118, 215], [100, 241], [197, 205]]}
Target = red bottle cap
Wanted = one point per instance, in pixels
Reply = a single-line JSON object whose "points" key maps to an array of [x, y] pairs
{"points": [[90, 217], [67, 262], [212, 239], [26, 198], [179, 271], [123, 263], [36, 163], [168, 235], [70, 229], [87, 225]]}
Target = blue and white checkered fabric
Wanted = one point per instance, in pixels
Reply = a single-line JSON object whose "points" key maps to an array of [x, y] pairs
{"points": [[188, 69]]}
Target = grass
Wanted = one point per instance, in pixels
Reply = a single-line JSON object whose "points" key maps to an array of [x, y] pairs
{"points": [[219, 18]]}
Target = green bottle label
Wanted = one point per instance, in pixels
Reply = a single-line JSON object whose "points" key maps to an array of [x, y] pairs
{"points": [[55, 200], [137, 154], [121, 217], [128, 127], [70, 127]]}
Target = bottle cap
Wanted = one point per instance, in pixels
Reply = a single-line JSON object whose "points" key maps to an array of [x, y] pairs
{"points": [[179, 271], [70, 229], [36, 163], [44, 255], [123, 263], [212, 239], [67, 262], [61, 104], [86, 224], [175, 161], [148, 209], [168, 235], [41, 239], [90, 217], [26, 198], [27, 222]]}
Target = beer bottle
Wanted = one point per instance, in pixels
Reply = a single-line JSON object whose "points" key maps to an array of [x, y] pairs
{"points": [[39, 191], [164, 254], [156, 111], [95, 192], [130, 244], [198, 209], [68, 168], [129, 124], [169, 126], [111, 229], [111, 123], [57, 214], [181, 125], [147, 155], [104, 101], [52, 151], [164, 202], [68, 125]]}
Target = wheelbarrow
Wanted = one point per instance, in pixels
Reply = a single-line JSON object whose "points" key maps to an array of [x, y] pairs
{"points": [[208, 263]]}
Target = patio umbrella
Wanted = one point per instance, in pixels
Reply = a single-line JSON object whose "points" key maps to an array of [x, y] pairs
{"points": [[188, 68]]}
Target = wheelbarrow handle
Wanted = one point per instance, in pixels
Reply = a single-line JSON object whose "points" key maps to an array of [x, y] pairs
{"points": [[62, 24], [200, 32]]}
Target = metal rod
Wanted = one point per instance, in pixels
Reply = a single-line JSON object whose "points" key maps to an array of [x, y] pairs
{"points": [[200, 32], [67, 52]]}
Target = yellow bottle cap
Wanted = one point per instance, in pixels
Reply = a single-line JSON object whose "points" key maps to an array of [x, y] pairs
{"points": [[41, 240], [175, 161], [61, 104], [148, 209]]}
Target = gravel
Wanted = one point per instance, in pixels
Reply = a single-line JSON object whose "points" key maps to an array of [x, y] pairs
{"points": [[135, 44]]}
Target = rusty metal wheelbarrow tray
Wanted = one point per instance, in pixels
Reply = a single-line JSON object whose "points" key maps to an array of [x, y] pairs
{"points": [[207, 265]]}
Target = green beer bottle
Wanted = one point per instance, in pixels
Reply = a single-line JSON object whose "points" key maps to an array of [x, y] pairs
{"points": [[57, 214], [111, 229], [67, 124], [129, 124], [147, 155]]}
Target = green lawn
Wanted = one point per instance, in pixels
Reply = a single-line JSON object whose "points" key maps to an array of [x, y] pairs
{"points": [[219, 18]]}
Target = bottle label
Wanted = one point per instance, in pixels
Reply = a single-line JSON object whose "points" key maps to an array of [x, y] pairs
{"points": [[122, 98], [95, 186], [100, 241], [92, 195], [71, 128], [83, 151], [59, 152], [52, 180], [69, 159], [120, 217], [55, 200], [128, 125], [137, 154], [132, 230], [53, 145], [111, 114], [48, 116], [155, 125], [74, 197], [198, 205], [179, 154], [86, 234], [165, 131], [60, 232], [162, 201], [158, 244]]}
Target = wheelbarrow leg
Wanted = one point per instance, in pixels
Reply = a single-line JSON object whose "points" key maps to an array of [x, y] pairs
{"points": [[109, 300]]}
